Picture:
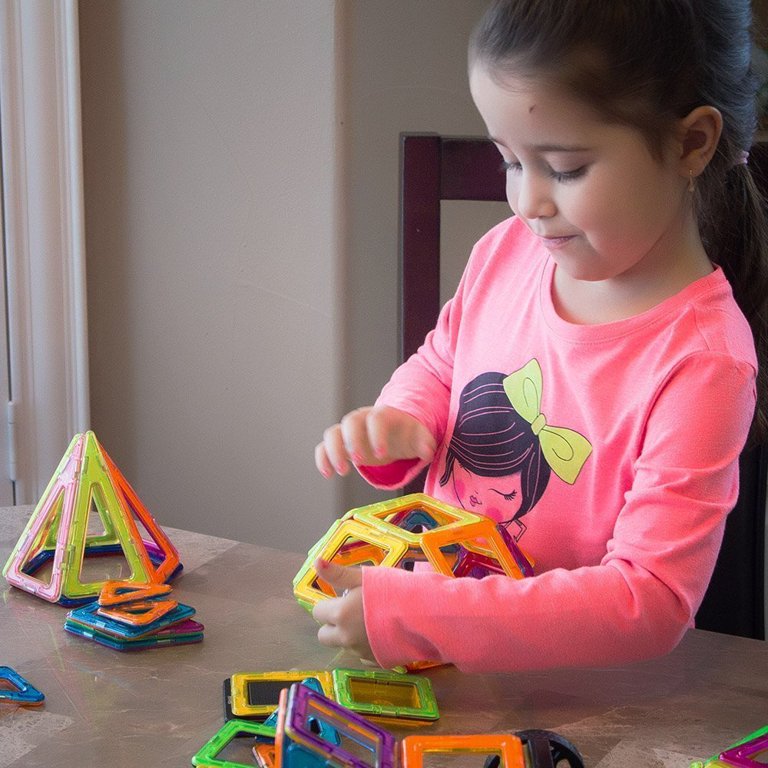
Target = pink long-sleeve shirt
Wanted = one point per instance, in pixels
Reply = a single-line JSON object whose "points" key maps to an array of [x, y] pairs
{"points": [[622, 510]]}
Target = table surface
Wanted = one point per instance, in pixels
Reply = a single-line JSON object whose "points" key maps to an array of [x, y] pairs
{"points": [[158, 707]]}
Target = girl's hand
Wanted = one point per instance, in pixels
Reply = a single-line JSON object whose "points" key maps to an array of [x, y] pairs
{"points": [[373, 436], [343, 624]]}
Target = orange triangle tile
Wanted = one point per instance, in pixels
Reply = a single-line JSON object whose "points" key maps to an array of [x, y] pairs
{"points": [[121, 592], [139, 613]]}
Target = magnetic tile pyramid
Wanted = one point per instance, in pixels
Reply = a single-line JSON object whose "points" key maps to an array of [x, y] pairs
{"points": [[86, 489]]}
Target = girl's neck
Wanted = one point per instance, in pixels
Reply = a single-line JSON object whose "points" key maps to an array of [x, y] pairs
{"points": [[660, 276]]}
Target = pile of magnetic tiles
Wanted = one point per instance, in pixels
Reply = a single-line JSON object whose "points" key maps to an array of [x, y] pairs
{"points": [[130, 616], [335, 719]]}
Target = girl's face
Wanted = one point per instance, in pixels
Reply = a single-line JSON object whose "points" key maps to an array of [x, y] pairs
{"points": [[496, 497], [602, 205]]}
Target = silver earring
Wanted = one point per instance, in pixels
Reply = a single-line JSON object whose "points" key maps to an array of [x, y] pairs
{"points": [[691, 185]]}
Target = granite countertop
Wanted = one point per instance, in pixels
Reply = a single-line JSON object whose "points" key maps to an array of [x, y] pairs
{"points": [[158, 707]]}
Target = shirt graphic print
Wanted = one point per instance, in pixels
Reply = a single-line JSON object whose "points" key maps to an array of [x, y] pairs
{"points": [[503, 451]]}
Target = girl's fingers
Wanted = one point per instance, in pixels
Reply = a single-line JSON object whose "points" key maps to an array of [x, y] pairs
{"points": [[342, 618], [336, 454], [342, 578], [329, 635], [425, 444], [322, 462], [372, 436], [397, 435], [354, 431], [381, 425], [325, 612], [336, 637]]}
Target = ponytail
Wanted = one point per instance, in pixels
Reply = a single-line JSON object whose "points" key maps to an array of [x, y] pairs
{"points": [[733, 221]]}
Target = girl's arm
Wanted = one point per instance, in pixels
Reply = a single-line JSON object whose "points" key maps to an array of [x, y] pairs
{"points": [[376, 436], [390, 442], [638, 601], [420, 389], [421, 386]]}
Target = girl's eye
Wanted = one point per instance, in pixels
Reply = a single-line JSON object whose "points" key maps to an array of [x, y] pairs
{"points": [[562, 177], [511, 165], [566, 176]]}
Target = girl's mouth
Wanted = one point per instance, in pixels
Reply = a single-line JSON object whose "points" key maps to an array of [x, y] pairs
{"points": [[553, 243]]}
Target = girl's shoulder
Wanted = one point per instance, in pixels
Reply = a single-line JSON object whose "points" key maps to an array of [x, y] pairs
{"points": [[719, 323]]}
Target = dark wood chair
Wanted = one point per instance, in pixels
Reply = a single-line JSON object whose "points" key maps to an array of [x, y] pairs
{"points": [[434, 168]]}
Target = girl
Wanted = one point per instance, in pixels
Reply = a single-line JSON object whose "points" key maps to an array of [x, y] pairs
{"points": [[608, 302]]}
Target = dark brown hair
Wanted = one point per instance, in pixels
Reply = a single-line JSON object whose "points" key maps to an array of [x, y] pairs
{"points": [[646, 64]]}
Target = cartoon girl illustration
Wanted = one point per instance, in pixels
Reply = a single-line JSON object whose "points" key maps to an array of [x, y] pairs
{"points": [[502, 451]]}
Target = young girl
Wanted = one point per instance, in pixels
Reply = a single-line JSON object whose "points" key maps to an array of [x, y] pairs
{"points": [[601, 321]]}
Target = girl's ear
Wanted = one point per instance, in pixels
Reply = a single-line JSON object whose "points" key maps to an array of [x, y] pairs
{"points": [[699, 134]]}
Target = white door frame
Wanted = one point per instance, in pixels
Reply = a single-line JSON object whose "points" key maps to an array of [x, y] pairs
{"points": [[6, 456], [44, 235]]}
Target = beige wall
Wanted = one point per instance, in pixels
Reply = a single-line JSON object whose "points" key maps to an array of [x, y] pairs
{"points": [[241, 224], [406, 72]]}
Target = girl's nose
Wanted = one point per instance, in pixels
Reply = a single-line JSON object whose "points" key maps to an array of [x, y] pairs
{"points": [[531, 197]]}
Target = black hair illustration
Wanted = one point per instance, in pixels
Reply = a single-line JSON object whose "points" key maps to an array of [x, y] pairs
{"points": [[491, 439]]}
